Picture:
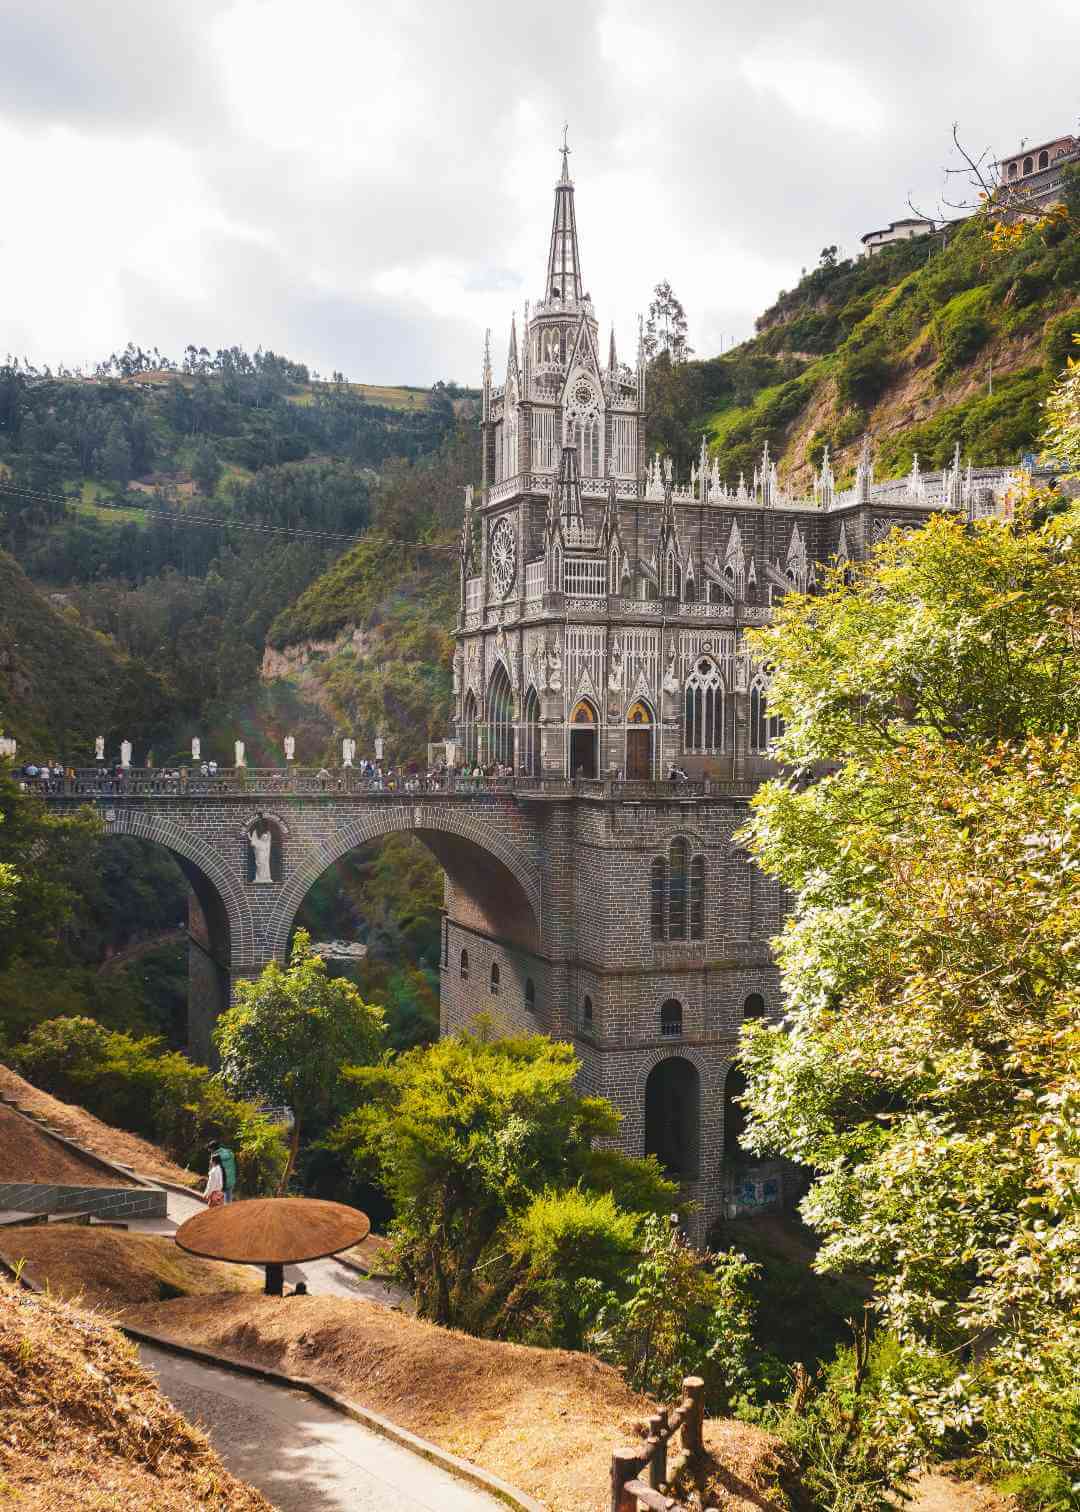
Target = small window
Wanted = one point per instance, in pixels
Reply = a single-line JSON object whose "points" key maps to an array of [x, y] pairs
{"points": [[586, 1012], [530, 994], [1028, 165], [754, 1007], [671, 1018], [464, 965], [495, 979]]}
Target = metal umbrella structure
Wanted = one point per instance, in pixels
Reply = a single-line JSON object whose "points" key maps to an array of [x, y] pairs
{"points": [[273, 1232]]}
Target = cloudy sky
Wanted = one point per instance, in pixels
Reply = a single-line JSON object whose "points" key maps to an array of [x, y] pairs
{"points": [[367, 186]]}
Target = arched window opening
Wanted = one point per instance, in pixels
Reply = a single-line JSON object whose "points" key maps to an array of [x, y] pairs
{"points": [[754, 1007], [673, 1117], [530, 994], [775, 729], [464, 969], [530, 735], [639, 742], [759, 718], [690, 591], [614, 583], [468, 729], [703, 724], [1044, 159], [1012, 170], [734, 1113], [500, 718], [658, 897], [697, 898], [587, 1012], [1028, 165], [671, 1018], [494, 978], [677, 889]]}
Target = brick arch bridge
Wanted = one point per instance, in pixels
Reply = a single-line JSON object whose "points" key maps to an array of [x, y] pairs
{"points": [[550, 900]]}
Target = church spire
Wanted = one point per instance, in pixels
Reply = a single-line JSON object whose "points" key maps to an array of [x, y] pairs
{"points": [[564, 260]]}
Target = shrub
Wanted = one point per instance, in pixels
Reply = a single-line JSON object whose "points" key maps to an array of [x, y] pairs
{"points": [[158, 1094], [863, 375], [1058, 341]]}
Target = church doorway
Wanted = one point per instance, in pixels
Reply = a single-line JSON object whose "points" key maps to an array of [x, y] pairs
{"points": [[583, 740], [639, 743], [672, 1117]]}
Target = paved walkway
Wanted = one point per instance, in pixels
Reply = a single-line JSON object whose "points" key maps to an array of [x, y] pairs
{"points": [[302, 1456], [324, 1278]]}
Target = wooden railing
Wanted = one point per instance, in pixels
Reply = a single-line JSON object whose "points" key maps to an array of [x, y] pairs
{"points": [[638, 1473]]}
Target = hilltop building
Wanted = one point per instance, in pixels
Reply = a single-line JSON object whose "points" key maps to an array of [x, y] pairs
{"points": [[897, 230], [1037, 173], [601, 643]]}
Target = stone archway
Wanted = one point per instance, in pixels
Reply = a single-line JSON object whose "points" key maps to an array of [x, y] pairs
{"points": [[499, 880], [673, 1117], [221, 930]]}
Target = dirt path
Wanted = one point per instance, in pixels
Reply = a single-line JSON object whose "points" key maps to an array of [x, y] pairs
{"points": [[933, 1492], [302, 1456]]}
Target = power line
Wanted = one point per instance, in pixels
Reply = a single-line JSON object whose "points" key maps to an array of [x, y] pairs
{"points": [[215, 522]]}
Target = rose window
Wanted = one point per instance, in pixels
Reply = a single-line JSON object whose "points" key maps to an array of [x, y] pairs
{"points": [[503, 556]]}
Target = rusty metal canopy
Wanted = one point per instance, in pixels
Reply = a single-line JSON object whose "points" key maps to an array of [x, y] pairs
{"points": [[273, 1230]]}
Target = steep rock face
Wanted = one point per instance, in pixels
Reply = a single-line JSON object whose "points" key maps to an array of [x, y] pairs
{"points": [[929, 343], [369, 643]]}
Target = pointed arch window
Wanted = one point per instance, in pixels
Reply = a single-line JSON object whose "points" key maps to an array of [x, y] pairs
{"points": [[765, 728], [677, 894], [703, 723], [500, 718], [494, 978], [464, 966], [587, 1012], [530, 735]]}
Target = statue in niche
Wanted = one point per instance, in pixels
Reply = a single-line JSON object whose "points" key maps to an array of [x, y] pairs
{"points": [[125, 753], [615, 671], [261, 839], [196, 748], [348, 751], [290, 748], [99, 748], [239, 752], [457, 670], [671, 682], [554, 667]]}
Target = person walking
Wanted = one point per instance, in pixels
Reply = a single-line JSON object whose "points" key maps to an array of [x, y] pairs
{"points": [[228, 1170], [214, 1190]]}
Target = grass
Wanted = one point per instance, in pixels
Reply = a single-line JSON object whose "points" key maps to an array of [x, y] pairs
{"points": [[84, 1426], [110, 1268]]}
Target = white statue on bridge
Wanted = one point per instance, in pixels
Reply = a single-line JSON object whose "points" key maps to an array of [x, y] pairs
{"points": [[239, 744], [99, 748], [125, 753], [290, 748], [348, 751], [261, 844], [196, 748]]}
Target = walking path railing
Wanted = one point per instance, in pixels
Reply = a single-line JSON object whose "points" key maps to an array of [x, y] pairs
{"points": [[638, 1472], [269, 782]]}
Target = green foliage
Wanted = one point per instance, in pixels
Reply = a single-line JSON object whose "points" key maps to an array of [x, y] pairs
{"points": [[929, 1069], [51, 855], [464, 1137], [679, 1312], [865, 1422], [960, 330], [159, 1094], [287, 1035], [863, 375], [1059, 341], [1062, 435]]}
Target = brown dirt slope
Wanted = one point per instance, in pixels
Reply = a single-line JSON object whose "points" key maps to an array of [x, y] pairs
{"points": [[28, 1154], [546, 1420], [82, 1425], [109, 1268], [102, 1138]]}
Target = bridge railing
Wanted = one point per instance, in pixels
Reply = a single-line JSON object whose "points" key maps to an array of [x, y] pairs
{"points": [[269, 782]]}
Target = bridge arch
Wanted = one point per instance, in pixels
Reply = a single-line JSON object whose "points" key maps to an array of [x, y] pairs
{"points": [[464, 844]]}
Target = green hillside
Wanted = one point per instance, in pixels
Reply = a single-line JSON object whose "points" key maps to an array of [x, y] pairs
{"points": [[62, 684], [903, 344]]}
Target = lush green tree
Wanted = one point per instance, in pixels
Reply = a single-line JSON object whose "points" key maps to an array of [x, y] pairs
{"points": [[288, 1035], [53, 857], [1062, 436], [205, 468], [665, 327], [466, 1137], [929, 1068], [138, 1085]]}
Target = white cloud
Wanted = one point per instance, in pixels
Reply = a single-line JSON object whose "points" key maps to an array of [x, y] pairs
{"points": [[368, 185]]}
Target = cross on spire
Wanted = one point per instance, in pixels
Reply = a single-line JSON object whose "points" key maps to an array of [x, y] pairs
{"points": [[565, 150]]}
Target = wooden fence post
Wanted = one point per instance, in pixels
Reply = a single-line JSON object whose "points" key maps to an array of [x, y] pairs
{"points": [[625, 1464], [657, 1470], [694, 1391]]}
